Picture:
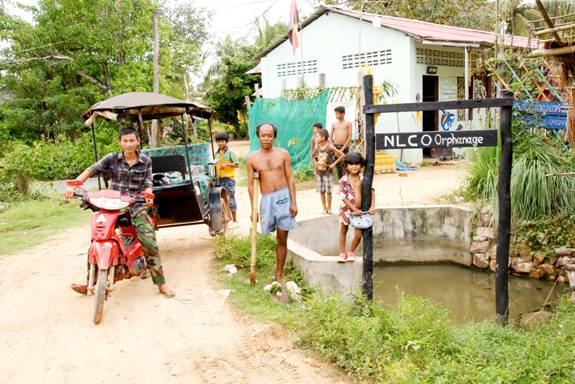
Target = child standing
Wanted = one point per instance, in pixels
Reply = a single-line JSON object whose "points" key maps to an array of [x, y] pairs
{"points": [[226, 165], [341, 132], [322, 158], [316, 128], [350, 193]]}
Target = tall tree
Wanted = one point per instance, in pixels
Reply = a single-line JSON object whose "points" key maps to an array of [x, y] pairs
{"points": [[476, 14], [518, 15], [78, 52], [227, 83], [268, 32]]}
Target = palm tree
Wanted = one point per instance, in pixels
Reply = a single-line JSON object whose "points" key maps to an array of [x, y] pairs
{"points": [[557, 8], [517, 16], [268, 32]]}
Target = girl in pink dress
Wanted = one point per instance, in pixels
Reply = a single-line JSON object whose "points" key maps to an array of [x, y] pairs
{"points": [[350, 194]]}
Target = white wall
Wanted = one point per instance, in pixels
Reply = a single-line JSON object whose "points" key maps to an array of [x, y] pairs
{"points": [[333, 35], [326, 40]]}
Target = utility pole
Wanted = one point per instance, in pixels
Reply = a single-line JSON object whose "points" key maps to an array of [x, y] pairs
{"points": [[154, 128]]}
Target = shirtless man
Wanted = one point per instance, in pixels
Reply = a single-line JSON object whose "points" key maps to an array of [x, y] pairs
{"points": [[341, 136], [278, 207]]}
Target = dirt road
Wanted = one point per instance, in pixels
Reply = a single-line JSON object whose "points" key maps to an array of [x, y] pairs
{"points": [[46, 332]]}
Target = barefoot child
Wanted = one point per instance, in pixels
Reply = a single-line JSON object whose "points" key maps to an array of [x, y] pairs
{"points": [[226, 165], [322, 158], [278, 207], [341, 135], [350, 193]]}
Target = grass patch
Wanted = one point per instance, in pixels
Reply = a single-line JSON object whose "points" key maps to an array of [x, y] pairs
{"points": [[28, 223], [412, 343], [253, 300]]}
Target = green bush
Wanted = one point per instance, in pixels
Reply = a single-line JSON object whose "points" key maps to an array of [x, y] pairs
{"points": [[413, 342], [534, 194], [62, 159], [237, 250], [416, 343]]}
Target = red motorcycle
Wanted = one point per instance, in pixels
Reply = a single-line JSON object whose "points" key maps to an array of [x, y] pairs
{"points": [[115, 253]]}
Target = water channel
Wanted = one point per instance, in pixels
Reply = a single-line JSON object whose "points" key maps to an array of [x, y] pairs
{"points": [[467, 293]]}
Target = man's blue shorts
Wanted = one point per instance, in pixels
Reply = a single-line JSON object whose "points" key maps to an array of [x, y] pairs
{"points": [[230, 186], [274, 212]]}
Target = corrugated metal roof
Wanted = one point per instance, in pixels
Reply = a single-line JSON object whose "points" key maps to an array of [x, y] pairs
{"points": [[421, 30], [438, 32]]}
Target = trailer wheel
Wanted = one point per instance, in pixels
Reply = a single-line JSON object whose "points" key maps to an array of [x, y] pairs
{"points": [[215, 222]]}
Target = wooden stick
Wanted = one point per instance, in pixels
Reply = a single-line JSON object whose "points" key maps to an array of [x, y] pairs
{"points": [[561, 174], [254, 228]]}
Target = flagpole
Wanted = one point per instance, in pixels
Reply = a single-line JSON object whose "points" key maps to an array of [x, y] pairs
{"points": [[300, 38]]}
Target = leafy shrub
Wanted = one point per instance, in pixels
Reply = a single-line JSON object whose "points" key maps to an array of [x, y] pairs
{"points": [[416, 343], [237, 250], [62, 159], [413, 342], [534, 194]]}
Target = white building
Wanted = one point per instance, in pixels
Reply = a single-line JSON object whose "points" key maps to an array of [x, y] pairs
{"points": [[424, 61]]}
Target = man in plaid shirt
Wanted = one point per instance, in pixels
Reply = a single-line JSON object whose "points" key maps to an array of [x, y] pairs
{"points": [[131, 173]]}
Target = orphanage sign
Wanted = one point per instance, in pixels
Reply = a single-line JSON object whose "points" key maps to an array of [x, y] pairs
{"points": [[479, 138]]}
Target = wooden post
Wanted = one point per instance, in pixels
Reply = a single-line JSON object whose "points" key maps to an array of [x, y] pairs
{"points": [[254, 229], [504, 222], [361, 116], [248, 101], [367, 277], [154, 128], [95, 147]]}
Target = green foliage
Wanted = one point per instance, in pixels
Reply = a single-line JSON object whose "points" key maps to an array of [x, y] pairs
{"points": [[252, 298], [235, 250], [227, 83], [534, 194], [412, 343], [303, 173], [30, 222], [58, 160], [78, 52], [547, 234]]}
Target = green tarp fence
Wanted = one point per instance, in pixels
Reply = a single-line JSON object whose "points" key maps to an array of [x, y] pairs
{"points": [[294, 120]]}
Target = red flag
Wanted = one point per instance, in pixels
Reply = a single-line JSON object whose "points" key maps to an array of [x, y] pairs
{"points": [[293, 33]]}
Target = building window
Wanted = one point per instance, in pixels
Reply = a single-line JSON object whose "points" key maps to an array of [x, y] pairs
{"points": [[439, 57], [296, 68], [367, 58]]}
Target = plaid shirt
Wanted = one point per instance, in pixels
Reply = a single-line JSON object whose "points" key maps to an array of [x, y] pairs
{"points": [[127, 179]]}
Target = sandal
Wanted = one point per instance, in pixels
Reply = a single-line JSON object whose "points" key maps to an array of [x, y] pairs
{"points": [[350, 256], [342, 257], [168, 292], [80, 288]]}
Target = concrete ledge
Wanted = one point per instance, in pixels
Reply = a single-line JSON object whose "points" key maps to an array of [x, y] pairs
{"points": [[414, 234], [324, 272]]}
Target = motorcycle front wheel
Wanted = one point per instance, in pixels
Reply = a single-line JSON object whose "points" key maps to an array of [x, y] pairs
{"points": [[100, 295]]}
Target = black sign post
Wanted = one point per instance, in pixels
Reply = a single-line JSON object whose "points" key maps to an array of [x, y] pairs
{"points": [[479, 138]]}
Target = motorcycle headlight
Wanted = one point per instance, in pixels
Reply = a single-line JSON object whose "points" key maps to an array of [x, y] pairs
{"points": [[109, 204]]}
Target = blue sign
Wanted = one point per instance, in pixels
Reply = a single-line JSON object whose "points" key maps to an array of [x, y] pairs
{"points": [[546, 107], [447, 120], [549, 115]]}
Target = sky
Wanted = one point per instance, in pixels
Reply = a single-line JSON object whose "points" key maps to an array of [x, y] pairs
{"points": [[234, 17]]}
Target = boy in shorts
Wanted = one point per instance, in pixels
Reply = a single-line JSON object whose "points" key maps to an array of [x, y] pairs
{"points": [[323, 160], [341, 132], [226, 165], [278, 207]]}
